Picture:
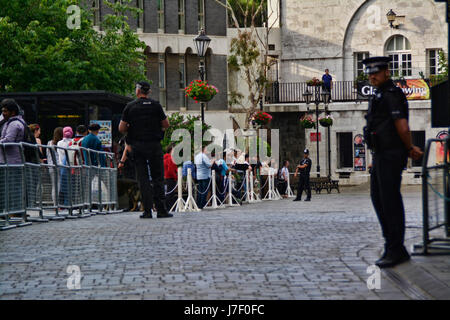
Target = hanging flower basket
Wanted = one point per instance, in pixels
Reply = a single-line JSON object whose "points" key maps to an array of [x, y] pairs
{"points": [[200, 91], [261, 118], [326, 122], [314, 82], [307, 122]]}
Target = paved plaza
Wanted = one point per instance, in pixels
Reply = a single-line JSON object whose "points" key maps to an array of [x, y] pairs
{"points": [[269, 250]]}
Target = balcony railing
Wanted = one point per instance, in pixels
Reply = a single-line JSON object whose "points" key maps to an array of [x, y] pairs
{"points": [[292, 92]]}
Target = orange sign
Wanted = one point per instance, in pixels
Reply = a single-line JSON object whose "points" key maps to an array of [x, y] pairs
{"points": [[414, 89]]}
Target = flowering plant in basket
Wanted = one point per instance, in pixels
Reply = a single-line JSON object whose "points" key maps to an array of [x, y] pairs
{"points": [[200, 91], [307, 122], [314, 82], [262, 118], [326, 122]]}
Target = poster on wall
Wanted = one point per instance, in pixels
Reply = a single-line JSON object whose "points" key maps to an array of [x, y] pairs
{"points": [[105, 133], [414, 89], [359, 153], [440, 147]]}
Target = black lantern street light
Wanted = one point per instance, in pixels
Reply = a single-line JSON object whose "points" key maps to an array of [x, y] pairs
{"points": [[317, 100], [202, 43], [391, 16]]}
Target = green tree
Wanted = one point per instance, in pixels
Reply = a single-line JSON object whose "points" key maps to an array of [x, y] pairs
{"points": [[39, 52], [249, 52]]}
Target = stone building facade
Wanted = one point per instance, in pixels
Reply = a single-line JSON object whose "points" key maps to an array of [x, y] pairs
{"points": [[338, 34], [168, 28]]}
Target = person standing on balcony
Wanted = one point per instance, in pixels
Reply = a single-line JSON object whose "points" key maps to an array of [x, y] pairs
{"points": [[388, 136], [327, 82]]}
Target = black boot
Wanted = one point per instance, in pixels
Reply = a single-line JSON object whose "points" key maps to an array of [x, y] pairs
{"points": [[393, 258], [146, 215]]}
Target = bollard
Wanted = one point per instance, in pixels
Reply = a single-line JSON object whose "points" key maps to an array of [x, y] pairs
{"points": [[179, 205], [230, 197], [270, 195], [190, 204], [214, 199]]}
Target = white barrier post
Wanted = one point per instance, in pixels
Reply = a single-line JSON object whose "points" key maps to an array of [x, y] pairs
{"points": [[179, 204], [289, 192], [214, 199], [270, 195], [247, 188], [230, 195], [190, 204]]}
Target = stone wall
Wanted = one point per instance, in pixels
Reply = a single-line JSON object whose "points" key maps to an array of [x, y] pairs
{"points": [[328, 32]]}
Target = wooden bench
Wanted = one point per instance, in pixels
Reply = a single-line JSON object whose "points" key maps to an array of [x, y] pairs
{"points": [[318, 184]]}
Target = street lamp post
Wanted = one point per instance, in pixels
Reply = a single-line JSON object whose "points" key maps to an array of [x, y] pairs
{"points": [[317, 100], [201, 43]]}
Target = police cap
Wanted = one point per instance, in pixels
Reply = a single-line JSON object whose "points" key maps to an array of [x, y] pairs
{"points": [[376, 64], [306, 151], [144, 86]]}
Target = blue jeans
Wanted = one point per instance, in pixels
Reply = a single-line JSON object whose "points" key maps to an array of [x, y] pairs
{"points": [[202, 192]]}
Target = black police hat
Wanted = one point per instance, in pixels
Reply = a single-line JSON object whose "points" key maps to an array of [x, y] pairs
{"points": [[143, 85], [306, 151], [375, 64]]}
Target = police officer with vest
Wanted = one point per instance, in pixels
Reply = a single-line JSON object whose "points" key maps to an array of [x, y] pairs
{"points": [[303, 182], [387, 134], [144, 122]]}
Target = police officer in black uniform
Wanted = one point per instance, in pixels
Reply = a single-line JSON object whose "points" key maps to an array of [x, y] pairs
{"points": [[144, 121], [303, 182], [388, 136]]}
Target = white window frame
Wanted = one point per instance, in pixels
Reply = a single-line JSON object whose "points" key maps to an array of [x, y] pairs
{"points": [[365, 55], [201, 15], [181, 16], [402, 55], [182, 81], [160, 16], [140, 22], [436, 57], [162, 79]]}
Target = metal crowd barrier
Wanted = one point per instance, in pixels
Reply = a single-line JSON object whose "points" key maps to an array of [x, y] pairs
{"points": [[436, 199], [69, 182], [12, 186]]}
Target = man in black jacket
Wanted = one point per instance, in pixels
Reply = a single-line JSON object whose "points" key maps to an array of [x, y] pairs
{"points": [[144, 121], [387, 135]]}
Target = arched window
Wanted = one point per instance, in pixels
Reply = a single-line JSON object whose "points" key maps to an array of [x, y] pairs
{"points": [[398, 49]]}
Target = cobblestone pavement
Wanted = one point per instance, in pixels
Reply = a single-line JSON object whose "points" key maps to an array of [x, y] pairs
{"points": [[269, 250]]}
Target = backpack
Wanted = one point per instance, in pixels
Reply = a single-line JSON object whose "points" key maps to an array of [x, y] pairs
{"points": [[74, 145], [28, 137]]}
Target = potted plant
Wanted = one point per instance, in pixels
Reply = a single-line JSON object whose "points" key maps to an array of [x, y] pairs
{"points": [[314, 82], [200, 91], [307, 122], [327, 121], [261, 118]]}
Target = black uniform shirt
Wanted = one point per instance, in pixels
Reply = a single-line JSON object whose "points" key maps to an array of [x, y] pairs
{"points": [[388, 104], [144, 117], [306, 170]]}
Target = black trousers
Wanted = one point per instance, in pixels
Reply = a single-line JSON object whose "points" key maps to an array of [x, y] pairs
{"points": [[385, 183], [150, 156], [303, 184]]}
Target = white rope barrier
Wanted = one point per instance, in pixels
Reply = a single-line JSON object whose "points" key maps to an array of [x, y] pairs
{"points": [[190, 204], [179, 205], [270, 195]]}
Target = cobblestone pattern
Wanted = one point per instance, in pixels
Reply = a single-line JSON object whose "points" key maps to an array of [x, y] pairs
{"points": [[269, 250]]}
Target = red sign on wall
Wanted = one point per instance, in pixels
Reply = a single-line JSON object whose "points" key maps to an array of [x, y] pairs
{"points": [[313, 137]]}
